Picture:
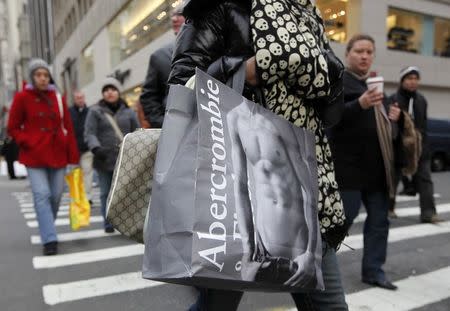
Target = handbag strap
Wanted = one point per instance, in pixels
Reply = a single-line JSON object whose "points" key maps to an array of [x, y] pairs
{"points": [[61, 112], [114, 125]]}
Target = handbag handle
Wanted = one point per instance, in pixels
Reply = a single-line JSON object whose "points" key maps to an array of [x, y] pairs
{"points": [[61, 112], [114, 125]]}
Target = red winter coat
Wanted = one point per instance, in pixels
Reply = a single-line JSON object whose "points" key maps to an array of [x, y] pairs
{"points": [[35, 124]]}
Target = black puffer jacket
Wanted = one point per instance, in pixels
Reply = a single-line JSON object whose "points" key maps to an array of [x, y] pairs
{"points": [[220, 35], [217, 39]]}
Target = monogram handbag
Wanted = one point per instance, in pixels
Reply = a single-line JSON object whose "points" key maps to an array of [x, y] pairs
{"points": [[129, 197]]}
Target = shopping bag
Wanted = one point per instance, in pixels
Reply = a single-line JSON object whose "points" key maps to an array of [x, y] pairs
{"points": [[79, 209], [234, 198]]}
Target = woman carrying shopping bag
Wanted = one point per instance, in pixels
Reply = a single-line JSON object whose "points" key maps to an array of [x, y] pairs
{"points": [[292, 71], [106, 124], [40, 124]]}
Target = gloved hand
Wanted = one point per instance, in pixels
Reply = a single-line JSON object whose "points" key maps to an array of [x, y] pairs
{"points": [[100, 153]]}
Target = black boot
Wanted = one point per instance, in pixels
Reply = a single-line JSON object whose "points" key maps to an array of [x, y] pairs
{"points": [[50, 248]]}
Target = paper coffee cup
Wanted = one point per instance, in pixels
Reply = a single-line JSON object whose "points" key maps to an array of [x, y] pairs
{"points": [[375, 83]]}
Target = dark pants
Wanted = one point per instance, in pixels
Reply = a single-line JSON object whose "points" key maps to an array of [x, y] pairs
{"points": [[423, 183], [425, 187], [105, 180], [376, 228], [332, 299], [11, 153]]}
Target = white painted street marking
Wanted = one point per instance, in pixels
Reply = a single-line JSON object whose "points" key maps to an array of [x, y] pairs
{"points": [[33, 215], [76, 236], [64, 221], [407, 198], [46, 262], [60, 293], [413, 292], [400, 234], [409, 211], [31, 209]]}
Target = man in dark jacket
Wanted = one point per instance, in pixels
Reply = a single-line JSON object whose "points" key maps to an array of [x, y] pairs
{"points": [[154, 90], [78, 113], [360, 152], [413, 102]]}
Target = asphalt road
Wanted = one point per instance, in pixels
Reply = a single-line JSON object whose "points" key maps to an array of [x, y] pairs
{"points": [[94, 271]]}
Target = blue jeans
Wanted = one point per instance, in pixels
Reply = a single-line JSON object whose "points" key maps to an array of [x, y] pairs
{"points": [[47, 185], [376, 229], [331, 299], [105, 180]]}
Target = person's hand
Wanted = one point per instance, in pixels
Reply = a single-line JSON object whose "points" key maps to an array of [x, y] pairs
{"points": [[100, 153], [394, 112], [370, 98], [250, 72], [306, 271]]}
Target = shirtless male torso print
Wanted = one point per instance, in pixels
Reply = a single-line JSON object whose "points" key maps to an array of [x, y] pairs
{"points": [[275, 197]]}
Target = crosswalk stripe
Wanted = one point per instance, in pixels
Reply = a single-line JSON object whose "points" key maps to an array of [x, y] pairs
{"points": [[33, 215], [31, 209], [408, 211], [65, 292], [407, 198], [400, 234], [63, 221], [413, 292], [46, 262], [76, 236]]}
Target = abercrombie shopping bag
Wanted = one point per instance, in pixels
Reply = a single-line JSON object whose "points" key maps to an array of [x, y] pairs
{"points": [[234, 201]]}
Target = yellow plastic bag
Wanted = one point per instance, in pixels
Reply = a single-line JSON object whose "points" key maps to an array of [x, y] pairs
{"points": [[80, 209]]}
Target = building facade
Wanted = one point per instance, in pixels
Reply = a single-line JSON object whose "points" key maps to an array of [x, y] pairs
{"points": [[12, 49], [96, 38]]}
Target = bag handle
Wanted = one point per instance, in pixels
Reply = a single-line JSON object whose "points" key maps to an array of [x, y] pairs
{"points": [[114, 125], [237, 81], [61, 112]]}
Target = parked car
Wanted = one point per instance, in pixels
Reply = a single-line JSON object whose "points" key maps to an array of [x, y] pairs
{"points": [[439, 142]]}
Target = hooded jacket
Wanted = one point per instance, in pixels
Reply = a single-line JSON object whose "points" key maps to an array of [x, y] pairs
{"points": [[36, 126]]}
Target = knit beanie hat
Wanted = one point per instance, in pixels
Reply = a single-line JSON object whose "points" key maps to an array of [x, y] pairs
{"points": [[35, 64], [110, 81], [409, 71]]}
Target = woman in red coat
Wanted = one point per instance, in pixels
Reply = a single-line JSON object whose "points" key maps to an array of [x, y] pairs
{"points": [[40, 124]]}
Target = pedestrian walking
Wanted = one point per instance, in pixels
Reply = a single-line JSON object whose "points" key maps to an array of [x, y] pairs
{"points": [[40, 124], [9, 149], [78, 113], [410, 100], [362, 146], [154, 90], [216, 37], [106, 124]]}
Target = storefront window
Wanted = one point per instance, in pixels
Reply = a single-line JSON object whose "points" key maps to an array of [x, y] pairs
{"points": [[406, 31], [334, 14], [140, 22], [131, 96], [86, 72], [442, 37]]}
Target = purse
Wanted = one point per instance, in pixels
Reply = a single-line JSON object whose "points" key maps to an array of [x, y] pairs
{"points": [[129, 196]]}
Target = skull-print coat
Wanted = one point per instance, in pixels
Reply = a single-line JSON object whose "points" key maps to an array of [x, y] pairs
{"points": [[217, 38]]}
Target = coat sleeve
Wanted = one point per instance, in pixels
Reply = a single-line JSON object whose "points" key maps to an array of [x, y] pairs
{"points": [[90, 130], [152, 96], [17, 116], [74, 155], [199, 43], [134, 121]]}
